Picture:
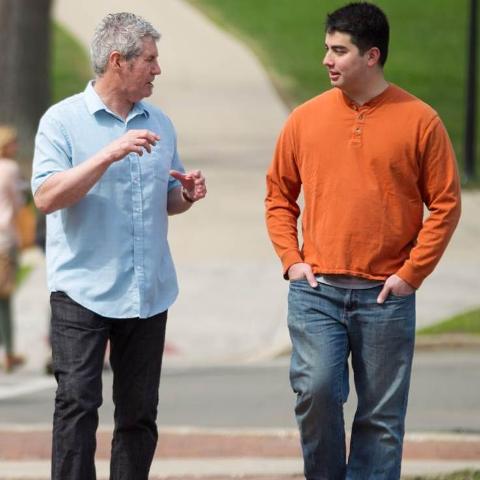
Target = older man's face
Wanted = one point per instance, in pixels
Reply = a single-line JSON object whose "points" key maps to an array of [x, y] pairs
{"points": [[141, 72]]}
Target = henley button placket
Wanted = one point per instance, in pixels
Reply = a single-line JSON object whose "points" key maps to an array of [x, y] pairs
{"points": [[356, 138]]}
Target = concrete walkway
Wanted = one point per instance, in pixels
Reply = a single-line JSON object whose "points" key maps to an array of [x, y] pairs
{"points": [[232, 300], [232, 305]]}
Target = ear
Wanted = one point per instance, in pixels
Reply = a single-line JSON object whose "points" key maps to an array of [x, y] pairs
{"points": [[115, 60], [373, 56]]}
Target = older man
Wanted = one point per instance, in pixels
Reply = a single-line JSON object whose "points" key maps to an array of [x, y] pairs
{"points": [[107, 173]]}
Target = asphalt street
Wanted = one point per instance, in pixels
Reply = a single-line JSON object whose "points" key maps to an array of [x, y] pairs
{"points": [[444, 396]]}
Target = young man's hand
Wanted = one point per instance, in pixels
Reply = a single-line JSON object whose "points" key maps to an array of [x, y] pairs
{"points": [[299, 271], [394, 284]]}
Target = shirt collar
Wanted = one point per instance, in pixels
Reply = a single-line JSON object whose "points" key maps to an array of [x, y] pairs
{"points": [[95, 104], [380, 98]]}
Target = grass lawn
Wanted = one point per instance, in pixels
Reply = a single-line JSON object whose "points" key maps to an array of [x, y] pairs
{"points": [[427, 50], [70, 68], [466, 475], [22, 273], [467, 323]]}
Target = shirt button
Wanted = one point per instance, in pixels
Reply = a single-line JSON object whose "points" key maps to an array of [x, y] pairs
{"points": [[361, 116], [358, 130]]}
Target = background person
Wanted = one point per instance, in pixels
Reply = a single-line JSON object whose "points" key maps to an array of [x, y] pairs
{"points": [[11, 199]]}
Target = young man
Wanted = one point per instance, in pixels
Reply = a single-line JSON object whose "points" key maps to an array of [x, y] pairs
{"points": [[107, 173], [368, 156]]}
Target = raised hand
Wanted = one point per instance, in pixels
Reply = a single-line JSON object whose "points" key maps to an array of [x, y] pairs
{"points": [[133, 141], [193, 184]]}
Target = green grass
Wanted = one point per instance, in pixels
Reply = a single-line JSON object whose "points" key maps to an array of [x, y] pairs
{"points": [[70, 67], [467, 323], [22, 273], [427, 48], [464, 475]]}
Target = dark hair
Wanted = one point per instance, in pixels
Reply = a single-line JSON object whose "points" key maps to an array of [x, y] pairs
{"points": [[366, 24]]}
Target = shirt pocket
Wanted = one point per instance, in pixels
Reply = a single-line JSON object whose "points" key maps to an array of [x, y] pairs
{"points": [[159, 161]]}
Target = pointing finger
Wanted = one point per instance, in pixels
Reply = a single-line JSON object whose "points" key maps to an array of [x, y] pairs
{"points": [[178, 175]]}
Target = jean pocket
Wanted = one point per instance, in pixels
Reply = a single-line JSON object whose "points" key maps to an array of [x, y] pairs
{"points": [[400, 297], [298, 280]]}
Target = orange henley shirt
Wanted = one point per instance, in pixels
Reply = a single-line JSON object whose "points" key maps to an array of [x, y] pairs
{"points": [[367, 172]]}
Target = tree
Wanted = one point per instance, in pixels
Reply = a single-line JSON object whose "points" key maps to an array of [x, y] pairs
{"points": [[471, 97], [24, 67]]}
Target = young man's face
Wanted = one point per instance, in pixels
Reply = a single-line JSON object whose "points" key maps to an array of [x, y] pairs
{"points": [[346, 67], [141, 72]]}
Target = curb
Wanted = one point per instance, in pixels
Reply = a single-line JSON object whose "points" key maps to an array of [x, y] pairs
{"points": [[223, 454], [227, 468], [448, 341]]}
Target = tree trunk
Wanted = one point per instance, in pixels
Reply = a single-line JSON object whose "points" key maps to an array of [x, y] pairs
{"points": [[24, 67]]}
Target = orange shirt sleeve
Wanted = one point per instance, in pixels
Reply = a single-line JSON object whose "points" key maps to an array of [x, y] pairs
{"points": [[283, 188], [440, 187]]}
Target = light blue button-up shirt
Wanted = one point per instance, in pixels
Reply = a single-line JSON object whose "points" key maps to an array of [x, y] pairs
{"points": [[109, 252]]}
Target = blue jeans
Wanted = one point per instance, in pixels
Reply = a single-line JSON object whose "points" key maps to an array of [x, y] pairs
{"points": [[326, 324], [79, 340]]}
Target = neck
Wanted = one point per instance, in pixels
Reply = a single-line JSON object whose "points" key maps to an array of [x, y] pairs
{"points": [[370, 89], [112, 96]]}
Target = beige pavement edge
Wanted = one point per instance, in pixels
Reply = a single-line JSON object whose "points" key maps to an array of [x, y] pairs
{"points": [[224, 467]]}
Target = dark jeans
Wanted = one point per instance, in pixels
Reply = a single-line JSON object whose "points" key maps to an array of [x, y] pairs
{"points": [[79, 340]]}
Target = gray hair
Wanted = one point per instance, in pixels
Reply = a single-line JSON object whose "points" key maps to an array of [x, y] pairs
{"points": [[121, 32]]}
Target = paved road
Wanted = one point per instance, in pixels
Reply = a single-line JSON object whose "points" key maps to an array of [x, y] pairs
{"points": [[444, 396]]}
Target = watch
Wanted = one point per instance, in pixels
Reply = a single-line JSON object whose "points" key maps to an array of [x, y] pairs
{"points": [[186, 196]]}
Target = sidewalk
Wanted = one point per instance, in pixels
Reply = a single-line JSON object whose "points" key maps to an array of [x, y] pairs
{"points": [[216, 454], [232, 303]]}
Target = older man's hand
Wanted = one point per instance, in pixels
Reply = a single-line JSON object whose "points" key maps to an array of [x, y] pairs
{"points": [[133, 141], [193, 183]]}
